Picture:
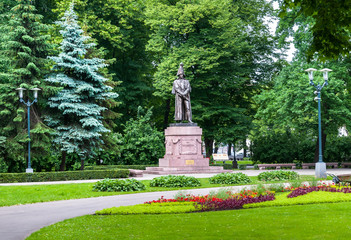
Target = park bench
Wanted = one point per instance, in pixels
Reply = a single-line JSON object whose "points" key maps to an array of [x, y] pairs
{"points": [[345, 164], [308, 165], [220, 157], [276, 165]]}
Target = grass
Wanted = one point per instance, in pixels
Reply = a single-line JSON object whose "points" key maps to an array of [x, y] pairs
{"points": [[13, 195], [317, 221]]}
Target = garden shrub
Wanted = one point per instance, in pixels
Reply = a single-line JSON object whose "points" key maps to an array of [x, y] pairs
{"points": [[242, 166], [278, 175], [230, 178], [141, 142], [226, 166], [62, 176], [115, 185], [175, 181], [152, 208]]}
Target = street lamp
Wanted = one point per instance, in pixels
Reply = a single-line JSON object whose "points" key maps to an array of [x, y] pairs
{"points": [[321, 169], [28, 104]]}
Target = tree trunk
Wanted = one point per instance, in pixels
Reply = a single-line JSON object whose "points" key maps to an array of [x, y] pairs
{"points": [[63, 161], [235, 162], [216, 149], [166, 114], [82, 164], [209, 147], [229, 152], [245, 148]]}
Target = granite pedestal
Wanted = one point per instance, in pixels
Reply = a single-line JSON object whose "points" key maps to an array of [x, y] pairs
{"points": [[183, 152]]}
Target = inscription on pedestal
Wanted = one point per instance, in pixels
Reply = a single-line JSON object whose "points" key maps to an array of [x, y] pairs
{"points": [[188, 147]]}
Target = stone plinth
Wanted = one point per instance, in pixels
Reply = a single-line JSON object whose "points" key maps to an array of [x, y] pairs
{"points": [[183, 152], [321, 170], [183, 147]]}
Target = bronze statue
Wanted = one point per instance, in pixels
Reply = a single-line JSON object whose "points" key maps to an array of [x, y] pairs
{"points": [[181, 89]]}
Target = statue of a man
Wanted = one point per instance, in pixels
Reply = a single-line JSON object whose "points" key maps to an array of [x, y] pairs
{"points": [[181, 89]]}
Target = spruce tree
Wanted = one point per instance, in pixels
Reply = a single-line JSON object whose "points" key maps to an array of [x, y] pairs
{"points": [[24, 49], [78, 106]]}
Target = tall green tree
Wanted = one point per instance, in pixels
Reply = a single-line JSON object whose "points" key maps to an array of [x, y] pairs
{"points": [[24, 48], [119, 28], [330, 25], [290, 107], [78, 122], [226, 49]]}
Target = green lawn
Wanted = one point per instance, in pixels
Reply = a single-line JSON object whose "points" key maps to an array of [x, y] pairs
{"points": [[12, 195], [317, 221]]}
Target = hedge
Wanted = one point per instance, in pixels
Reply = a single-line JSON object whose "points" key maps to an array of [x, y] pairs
{"points": [[63, 176], [106, 167]]}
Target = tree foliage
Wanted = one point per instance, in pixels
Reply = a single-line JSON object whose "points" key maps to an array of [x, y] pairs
{"points": [[330, 26], [23, 51], [226, 49], [289, 105], [119, 28], [141, 143], [78, 106]]}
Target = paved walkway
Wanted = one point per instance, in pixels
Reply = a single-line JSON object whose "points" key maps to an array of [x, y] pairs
{"points": [[18, 222]]}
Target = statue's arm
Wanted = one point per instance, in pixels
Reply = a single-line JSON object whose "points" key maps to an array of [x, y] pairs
{"points": [[188, 89], [174, 89]]}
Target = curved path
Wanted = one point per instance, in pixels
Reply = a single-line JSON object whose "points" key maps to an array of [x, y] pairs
{"points": [[18, 222]]}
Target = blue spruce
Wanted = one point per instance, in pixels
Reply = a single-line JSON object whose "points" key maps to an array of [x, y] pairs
{"points": [[78, 108]]}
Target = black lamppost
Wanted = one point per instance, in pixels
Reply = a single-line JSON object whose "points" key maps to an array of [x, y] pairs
{"points": [[28, 104]]}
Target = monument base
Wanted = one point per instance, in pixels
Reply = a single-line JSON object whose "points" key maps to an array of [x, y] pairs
{"points": [[183, 152]]}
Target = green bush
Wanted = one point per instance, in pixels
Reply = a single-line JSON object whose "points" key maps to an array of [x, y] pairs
{"points": [[229, 178], [141, 142], [106, 167], [153, 208], [282, 147], [226, 166], [62, 176], [115, 185], [242, 166], [175, 181], [278, 175]]}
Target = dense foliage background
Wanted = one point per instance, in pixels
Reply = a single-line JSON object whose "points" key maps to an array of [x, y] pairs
{"points": [[242, 88]]}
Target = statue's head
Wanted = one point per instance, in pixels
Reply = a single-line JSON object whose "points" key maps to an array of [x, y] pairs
{"points": [[180, 72]]}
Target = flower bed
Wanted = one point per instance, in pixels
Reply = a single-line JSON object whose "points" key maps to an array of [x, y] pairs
{"points": [[304, 190], [214, 203]]}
